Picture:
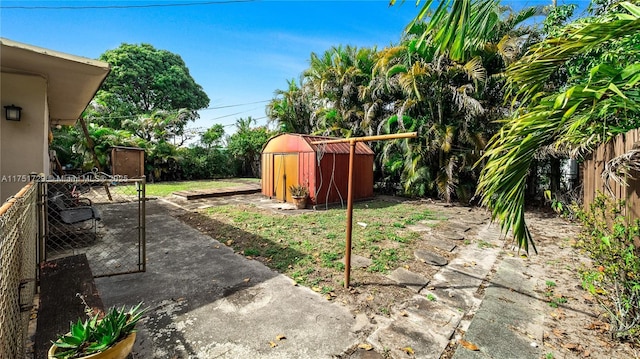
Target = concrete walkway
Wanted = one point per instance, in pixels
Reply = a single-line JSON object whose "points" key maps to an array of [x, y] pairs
{"points": [[208, 302]]}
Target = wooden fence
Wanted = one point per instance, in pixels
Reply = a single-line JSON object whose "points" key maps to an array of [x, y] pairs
{"points": [[594, 166]]}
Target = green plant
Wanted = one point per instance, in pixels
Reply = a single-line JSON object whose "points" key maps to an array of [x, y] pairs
{"points": [[484, 244], [608, 237], [299, 190], [96, 335], [556, 301], [431, 297], [252, 252]]}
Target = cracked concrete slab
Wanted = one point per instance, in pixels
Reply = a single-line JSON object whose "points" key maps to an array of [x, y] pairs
{"points": [[408, 329], [430, 258], [358, 261], [408, 278], [508, 322], [207, 301]]}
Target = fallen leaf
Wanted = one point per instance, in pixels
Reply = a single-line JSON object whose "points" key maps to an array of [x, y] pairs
{"points": [[273, 344], [294, 283], [316, 289], [406, 266], [558, 314], [559, 333], [570, 346], [404, 313], [599, 326], [409, 350], [281, 337], [370, 298], [229, 242], [365, 346], [246, 280], [586, 353], [468, 345], [249, 257], [216, 247]]}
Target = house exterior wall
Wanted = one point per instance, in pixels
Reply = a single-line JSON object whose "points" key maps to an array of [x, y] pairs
{"points": [[24, 143]]}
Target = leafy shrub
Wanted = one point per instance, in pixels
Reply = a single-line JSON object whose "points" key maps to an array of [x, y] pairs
{"points": [[614, 278], [202, 163]]}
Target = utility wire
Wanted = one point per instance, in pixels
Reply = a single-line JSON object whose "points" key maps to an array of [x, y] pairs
{"points": [[223, 2], [236, 105], [200, 109]]}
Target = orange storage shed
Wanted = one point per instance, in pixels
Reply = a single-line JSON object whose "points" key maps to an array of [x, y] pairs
{"points": [[290, 159]]}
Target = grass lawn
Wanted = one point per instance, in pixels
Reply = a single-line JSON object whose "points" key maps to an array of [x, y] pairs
{"points": [[309, 247], [162, 189]]}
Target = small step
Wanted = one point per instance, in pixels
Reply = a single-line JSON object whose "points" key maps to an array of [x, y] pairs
{"points": [[218, 192]]}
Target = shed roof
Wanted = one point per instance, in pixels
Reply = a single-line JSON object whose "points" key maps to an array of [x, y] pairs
{"points": [[305, 145], [72, 80], [361, 147]]}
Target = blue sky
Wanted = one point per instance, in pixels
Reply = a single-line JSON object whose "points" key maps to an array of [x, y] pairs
{"points": [[240, 52]]}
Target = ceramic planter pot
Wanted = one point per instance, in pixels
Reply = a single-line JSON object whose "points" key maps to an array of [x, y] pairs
{"points": [[119, 351], [300, 202]]}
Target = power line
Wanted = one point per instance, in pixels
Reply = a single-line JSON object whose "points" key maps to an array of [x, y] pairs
{"points": [[236, 105], [233, 114], [124, 6], [200, 109]]}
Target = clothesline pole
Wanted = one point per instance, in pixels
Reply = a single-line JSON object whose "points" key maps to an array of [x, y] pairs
{"points": [[352, 150]]}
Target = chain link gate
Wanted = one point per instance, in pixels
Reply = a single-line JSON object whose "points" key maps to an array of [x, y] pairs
{"points": [[96, 214]]}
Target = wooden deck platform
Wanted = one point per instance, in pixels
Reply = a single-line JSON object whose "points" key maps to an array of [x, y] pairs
{"points": [[247, 188]]}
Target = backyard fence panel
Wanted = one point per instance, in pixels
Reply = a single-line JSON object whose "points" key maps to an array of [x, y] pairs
{"points": [[102, 217], [18, 263], [594, 166]]}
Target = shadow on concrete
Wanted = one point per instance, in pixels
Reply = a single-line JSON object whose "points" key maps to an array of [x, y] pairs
{"points": [[490, 283], [206, 301]]}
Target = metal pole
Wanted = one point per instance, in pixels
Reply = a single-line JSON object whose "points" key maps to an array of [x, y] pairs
{"points": [[352, 149], [369, 138], [347, 257]]}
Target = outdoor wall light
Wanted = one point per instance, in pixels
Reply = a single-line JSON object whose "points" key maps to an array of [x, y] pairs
{"points": [[12, 112]]}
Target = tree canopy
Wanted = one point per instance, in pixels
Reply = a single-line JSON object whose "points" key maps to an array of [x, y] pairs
{"points": [[145, 79], [599, 100]]}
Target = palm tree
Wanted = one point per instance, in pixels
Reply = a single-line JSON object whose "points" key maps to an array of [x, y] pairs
{"points": [[337, 78], [291, 108], [448, 76], [589, 111]]}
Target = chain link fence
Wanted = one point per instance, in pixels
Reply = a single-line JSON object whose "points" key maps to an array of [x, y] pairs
{"points": [[19, 228], [101, 216]]}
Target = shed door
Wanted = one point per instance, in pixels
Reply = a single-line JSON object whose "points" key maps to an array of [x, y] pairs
{"points": [[285, 173]]}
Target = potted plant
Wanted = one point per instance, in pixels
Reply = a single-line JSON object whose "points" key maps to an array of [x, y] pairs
{"points": [[299, 194], [110, 337]]}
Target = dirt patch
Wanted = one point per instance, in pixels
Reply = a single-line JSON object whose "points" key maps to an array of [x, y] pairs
{"points": [[574, 325]]}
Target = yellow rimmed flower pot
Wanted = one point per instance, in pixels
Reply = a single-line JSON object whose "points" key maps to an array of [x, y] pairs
{"points": [[119, 351]]}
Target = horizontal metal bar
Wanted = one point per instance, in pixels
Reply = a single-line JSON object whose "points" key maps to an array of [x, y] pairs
{"points": [[369, 138]]}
